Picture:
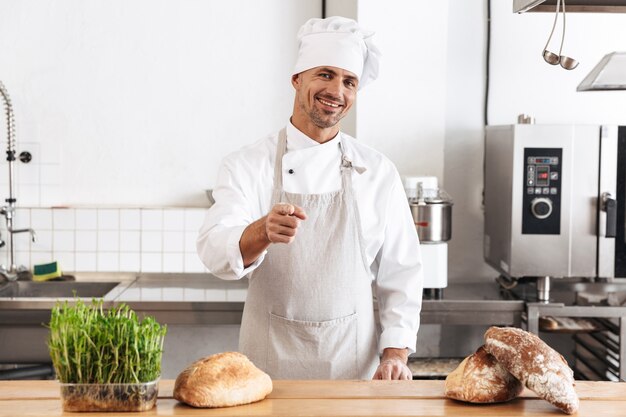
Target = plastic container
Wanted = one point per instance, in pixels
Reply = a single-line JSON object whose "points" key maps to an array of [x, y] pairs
{"points": [[109, 397]]}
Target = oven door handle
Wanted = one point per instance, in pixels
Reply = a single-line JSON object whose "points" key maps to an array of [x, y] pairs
{"points": [[610, 206]]}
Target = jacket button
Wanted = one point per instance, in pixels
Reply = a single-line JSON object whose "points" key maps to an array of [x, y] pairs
{"points": [[291, 171]]}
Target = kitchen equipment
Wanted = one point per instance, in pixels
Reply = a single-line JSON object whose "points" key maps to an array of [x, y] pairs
{"points": [[431, 208], [608, 75], [525, 119], [554, 202], [579, 6], [552, 58]]}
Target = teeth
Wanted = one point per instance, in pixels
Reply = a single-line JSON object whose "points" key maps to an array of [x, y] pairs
{"points": [[327, 103]]}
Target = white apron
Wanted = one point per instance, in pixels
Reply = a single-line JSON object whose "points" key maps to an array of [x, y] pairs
{"points": [[309, 310]]}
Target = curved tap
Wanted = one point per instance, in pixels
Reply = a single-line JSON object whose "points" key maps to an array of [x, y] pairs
{"points": [[10, 118], [33, 235], [8, 211]]}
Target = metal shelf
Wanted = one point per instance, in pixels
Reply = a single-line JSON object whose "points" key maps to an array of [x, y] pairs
{"points": [[575, 6], [602, 353]]}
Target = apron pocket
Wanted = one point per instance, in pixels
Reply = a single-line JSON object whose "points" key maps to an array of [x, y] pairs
{"points": [[313, 349]]}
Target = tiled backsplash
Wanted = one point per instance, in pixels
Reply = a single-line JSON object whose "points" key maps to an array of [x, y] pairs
{"points": [[108, 239], [37, 183]]}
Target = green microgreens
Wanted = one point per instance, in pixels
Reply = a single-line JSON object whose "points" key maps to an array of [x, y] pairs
{"points": [[89, 345]]}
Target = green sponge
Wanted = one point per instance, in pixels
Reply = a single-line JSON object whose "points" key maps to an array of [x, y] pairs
{"points": [[45, 272]]}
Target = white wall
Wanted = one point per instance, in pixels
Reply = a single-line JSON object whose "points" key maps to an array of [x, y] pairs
{"points": [[402, 114], [136, 103], [463, 162]]}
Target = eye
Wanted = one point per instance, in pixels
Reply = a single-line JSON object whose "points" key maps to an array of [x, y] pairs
{"points": [[350, 83], [325, 75]]}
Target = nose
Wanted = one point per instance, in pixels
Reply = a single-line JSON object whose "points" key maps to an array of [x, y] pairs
{"points": [[336, 87]]}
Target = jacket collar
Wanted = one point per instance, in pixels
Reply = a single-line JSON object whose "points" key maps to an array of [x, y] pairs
{"points": [[296, 140]]}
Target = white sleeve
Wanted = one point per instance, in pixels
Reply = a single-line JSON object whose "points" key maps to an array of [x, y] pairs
{"points": [[399, 282], [218, 239]]}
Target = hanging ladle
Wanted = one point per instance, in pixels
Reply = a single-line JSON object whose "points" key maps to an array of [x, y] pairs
{"points": [[550, 57]]}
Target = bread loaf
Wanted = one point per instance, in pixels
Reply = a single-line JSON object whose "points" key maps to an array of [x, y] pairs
{"points": [[481, 379], [535, 364], [222, 380]]}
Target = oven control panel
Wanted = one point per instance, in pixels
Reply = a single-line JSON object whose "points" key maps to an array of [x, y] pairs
{"points": [[541, 211]]}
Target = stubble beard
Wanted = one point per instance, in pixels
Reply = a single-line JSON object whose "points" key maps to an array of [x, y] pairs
{"points": [[320, 118]]}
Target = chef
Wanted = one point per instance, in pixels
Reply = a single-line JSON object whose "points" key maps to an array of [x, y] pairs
{"points": [[320, 225]]}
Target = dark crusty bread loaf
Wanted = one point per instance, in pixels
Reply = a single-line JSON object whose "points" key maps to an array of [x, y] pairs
{"points": [[481, 379], [535, 364], [222, 380]]}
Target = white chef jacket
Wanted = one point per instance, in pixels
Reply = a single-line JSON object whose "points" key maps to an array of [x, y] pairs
{"points": [[243, 193]]}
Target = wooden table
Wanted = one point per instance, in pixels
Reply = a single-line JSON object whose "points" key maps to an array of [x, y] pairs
{"points": [[331, 398]]}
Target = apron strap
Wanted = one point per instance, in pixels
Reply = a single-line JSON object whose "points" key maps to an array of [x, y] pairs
{"points": [[346, 181], [281, 149]]}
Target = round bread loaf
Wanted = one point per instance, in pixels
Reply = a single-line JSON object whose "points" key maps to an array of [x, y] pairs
{"points": [[222, 380], [535, 364], [481, 379]]}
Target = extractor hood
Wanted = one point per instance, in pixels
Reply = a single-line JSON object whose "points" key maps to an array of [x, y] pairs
{"points": [[608, 74], [583, 6]]}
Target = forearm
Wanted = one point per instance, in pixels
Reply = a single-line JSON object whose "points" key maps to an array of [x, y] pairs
{"points": [[254, 241]]}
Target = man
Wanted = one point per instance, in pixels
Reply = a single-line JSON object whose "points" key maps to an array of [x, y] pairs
{"points": [[317, 220]]}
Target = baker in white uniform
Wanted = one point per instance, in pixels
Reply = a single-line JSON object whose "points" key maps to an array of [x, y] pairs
{"points": [[320, 224]]}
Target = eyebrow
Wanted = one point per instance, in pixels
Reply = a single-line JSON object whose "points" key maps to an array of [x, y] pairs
{"points": [[326, 69]]}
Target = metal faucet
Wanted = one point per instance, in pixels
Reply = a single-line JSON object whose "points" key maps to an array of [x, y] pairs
{"points": [[8, 211]]}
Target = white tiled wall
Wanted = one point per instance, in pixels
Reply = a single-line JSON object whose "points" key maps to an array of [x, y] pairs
{"points": [[109, 240], [37, 182]]}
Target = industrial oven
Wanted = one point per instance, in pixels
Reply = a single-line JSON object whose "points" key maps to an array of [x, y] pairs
{"points": [[555, 200]]}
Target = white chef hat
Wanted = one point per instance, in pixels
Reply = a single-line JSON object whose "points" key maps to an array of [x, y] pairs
{"points": [[338, 42]]}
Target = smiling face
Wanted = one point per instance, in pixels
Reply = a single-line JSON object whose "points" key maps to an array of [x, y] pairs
{"points": [[323, 97]]}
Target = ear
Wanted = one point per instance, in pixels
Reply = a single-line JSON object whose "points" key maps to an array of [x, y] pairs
{"points": [[296, 79]]}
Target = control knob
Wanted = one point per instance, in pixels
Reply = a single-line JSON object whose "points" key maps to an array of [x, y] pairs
{"points": [[541, 208]]}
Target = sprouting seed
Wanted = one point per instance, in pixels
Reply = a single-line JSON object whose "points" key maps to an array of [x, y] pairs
{"points": [[89, 344]]}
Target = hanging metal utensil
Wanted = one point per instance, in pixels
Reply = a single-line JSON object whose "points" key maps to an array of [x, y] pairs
{"points": [[566, 62], [551, 58]]}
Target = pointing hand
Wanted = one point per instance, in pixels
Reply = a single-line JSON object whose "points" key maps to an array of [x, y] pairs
{"points": [[282, 222]]}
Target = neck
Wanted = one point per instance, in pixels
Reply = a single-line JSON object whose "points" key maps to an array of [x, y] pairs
{"points": [[318, 134]]}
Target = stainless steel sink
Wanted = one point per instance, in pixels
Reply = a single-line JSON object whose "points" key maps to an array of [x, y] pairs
{"points": [[60, 289]]}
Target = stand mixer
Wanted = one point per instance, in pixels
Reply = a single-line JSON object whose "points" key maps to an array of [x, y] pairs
{"points": [[431, 208]]}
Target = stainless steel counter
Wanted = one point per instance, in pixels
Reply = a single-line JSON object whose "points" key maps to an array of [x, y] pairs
{"points": [[201, 300], [473, 304], [206, 299]]}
